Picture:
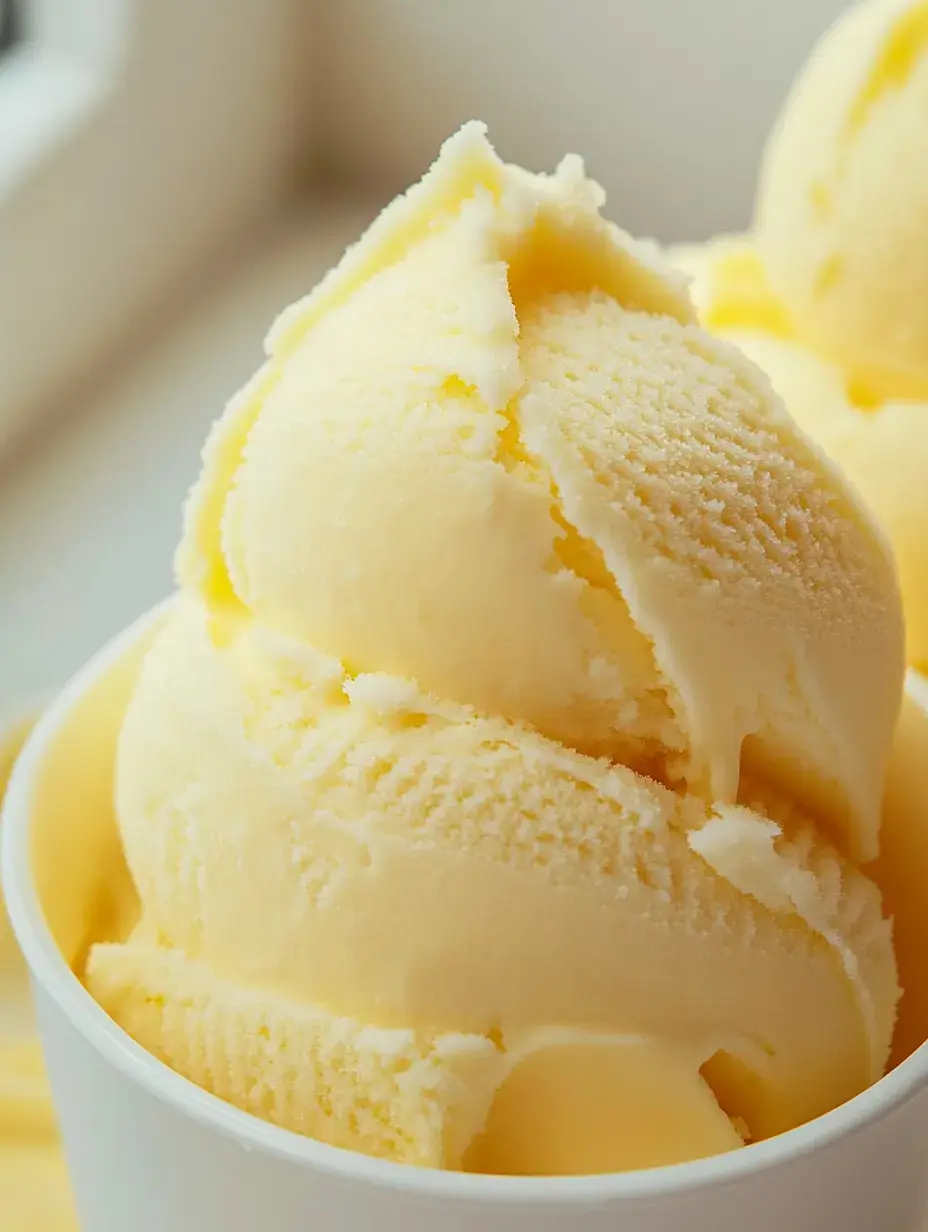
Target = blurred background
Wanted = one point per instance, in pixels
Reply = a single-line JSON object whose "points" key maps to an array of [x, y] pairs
{"points": [[172, 172]]}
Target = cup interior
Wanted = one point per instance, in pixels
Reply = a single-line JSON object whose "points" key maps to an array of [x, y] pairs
{"points": [[81, 879]]}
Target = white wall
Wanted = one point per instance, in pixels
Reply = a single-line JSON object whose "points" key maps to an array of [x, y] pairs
{"points": [[668, 100]]}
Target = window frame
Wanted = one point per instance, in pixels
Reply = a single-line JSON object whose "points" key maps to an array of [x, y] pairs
{"points": [[140, 142]]}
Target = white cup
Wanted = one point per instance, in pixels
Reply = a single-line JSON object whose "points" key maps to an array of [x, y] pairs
{"points": [[150, 1152]]}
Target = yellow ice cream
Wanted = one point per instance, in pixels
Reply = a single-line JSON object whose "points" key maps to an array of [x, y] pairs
{"points": [[34, 1191], [495, 790], [902, 869], [843, 199], [830, 293]]}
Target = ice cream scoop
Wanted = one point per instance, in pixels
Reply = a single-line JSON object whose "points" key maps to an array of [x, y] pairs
{"points": [[843, 197], [522, 458], [496, 789]]}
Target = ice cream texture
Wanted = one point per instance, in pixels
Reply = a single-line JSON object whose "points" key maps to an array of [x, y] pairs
{"points": [[843, 197], [496, 790], [829, 293]]}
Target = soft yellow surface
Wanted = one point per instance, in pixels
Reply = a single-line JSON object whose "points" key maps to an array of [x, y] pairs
{"points": [[843, 198], [411, 863], [830, 297], [830, 293], [882, 448], [542, 499], [544, 1119], [492, 455], [729, 287], [34, 1191]]}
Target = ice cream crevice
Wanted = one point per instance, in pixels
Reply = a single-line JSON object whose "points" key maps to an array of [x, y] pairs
{"points": [[737, 1088], [661, 753], [731, 288], [579, 1102], [797, 875], [571, 551], [736, 301], [559, 244]]}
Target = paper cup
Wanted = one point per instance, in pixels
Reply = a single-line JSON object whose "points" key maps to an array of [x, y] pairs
{"points": [[149, 1151]]}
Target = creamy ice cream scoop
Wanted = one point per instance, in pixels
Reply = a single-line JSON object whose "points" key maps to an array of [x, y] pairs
{"points": [[519, 485], [843, 197], [495, 791]]}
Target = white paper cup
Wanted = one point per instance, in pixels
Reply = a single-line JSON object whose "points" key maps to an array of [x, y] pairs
{"points": [[150, 1152]]}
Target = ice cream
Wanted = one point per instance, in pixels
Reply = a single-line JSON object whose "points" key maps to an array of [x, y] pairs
{"points": [[496, 790], [830, 292], [843, 198], [34, 1191]]}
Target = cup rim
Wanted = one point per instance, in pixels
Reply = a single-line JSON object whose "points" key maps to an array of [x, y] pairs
{"points": [[58, 982]]}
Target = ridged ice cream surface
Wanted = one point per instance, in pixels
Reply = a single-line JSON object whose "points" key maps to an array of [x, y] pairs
{"points": [[496, 789], [829, 291]]}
